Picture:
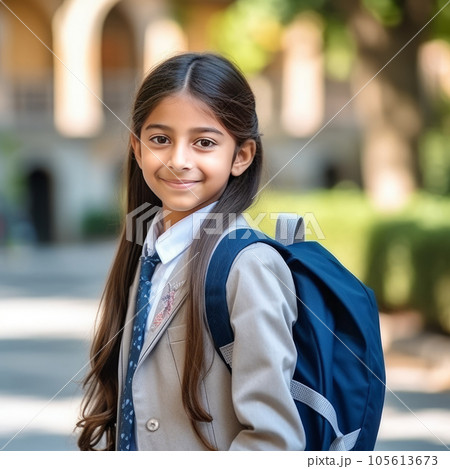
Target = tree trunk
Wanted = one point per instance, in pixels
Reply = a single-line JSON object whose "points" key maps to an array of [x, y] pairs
{"points": [[386, 80]]}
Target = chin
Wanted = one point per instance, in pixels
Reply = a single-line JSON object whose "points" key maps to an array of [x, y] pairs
{"points": [[181, 208]]}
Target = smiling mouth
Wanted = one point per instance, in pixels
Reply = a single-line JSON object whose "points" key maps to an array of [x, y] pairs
{"points": [[179, 183]]}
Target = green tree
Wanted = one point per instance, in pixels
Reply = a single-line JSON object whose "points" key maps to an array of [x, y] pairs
{"points": [[383, 38]]}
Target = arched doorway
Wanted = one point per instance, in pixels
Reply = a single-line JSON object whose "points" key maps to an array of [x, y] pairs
{"points": [[40, 204], [119, 64]]}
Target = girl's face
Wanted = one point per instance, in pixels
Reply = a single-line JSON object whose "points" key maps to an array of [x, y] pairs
{"points": [[186, 155]]}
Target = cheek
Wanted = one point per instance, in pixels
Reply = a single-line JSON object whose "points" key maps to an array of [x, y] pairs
{"points": [[148, 169], [150, 164]]}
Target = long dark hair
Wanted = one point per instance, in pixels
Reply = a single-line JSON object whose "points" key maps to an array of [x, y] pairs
{"points": [[221, 86]]}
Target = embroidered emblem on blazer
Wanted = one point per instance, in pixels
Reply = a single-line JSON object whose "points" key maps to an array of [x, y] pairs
{"points": [[167, 301]]}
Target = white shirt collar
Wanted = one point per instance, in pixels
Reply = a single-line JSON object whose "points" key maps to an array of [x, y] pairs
{"points": [[177, 238]]}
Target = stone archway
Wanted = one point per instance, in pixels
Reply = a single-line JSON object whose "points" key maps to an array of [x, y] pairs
{"points": [[119, 62]]}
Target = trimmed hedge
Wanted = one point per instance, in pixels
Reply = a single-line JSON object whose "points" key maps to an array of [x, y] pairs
{"points": [[409, 267], [100, 224], [341, 220], [404, 257]]}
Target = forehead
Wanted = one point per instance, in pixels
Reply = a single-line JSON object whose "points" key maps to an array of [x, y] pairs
{"points": [[184, 108]]}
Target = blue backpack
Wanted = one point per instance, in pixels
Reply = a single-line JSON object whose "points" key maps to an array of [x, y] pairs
{"points": [[339, 381]]}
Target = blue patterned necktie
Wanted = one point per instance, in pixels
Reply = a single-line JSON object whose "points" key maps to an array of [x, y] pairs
{"points": [[126, 430]]}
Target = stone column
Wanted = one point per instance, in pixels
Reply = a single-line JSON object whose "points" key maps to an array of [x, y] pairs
{"points": [[303, 78], [77, 29], [163, 38]]}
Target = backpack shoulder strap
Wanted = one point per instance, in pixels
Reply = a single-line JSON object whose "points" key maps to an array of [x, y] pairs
{"points": [[215, 288]]}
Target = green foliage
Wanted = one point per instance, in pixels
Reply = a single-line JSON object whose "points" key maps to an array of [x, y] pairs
{"points": [[435, 161], [440, 26], [339, 50], [249, 31], [13, 185], [99, 224], [409, 267], [340, 220], [404, 257], [387, 12]]}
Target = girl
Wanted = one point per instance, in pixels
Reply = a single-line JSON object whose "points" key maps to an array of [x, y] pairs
{"points": [[195, 151]]}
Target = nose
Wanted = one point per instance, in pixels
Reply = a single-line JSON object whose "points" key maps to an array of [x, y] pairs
{"points": [[180, 158]]}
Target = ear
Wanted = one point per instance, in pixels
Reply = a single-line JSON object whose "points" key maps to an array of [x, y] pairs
{"points": [[244, 157], [136, 145]]}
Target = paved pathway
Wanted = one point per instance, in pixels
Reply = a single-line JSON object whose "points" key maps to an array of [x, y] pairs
{"points": [[48, 303]]}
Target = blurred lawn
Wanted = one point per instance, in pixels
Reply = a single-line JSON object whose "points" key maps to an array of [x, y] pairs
{"points": [[339, 219]]}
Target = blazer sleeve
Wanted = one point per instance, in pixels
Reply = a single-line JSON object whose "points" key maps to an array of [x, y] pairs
{"points": [[262, 304]]}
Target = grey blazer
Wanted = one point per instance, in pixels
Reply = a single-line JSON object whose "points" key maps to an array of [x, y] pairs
{"points": [[252, 409]]}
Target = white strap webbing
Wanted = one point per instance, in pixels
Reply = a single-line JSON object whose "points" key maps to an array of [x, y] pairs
{"points": [[317, 402], [323, 406], [227, 353]]}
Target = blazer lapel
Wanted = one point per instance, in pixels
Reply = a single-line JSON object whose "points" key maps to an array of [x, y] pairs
{"points": [[172, 298], [168, 304]]}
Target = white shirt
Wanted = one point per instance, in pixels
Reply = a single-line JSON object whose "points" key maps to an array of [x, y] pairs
{"points": [[169, 245]]}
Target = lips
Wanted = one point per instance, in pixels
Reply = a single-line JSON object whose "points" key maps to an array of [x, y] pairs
{"points": [[179, 183]]}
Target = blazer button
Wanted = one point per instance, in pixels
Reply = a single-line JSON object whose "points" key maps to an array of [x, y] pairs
{"points": [[152, 425]]}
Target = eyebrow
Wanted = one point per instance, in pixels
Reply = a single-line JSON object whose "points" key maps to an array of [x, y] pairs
{"points": [[193, 130]]}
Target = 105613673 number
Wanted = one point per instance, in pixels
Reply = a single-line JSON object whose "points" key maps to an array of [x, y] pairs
{"points": [[403, 460]]}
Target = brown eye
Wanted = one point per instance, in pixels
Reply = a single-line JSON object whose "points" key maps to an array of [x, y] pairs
{"points": [[205, 143], [160, 140]]}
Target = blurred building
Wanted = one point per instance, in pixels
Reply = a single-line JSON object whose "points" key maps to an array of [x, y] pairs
{"points": [[68, 73]]}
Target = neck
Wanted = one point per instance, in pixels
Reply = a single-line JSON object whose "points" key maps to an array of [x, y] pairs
{"points": [[170, 217]]}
